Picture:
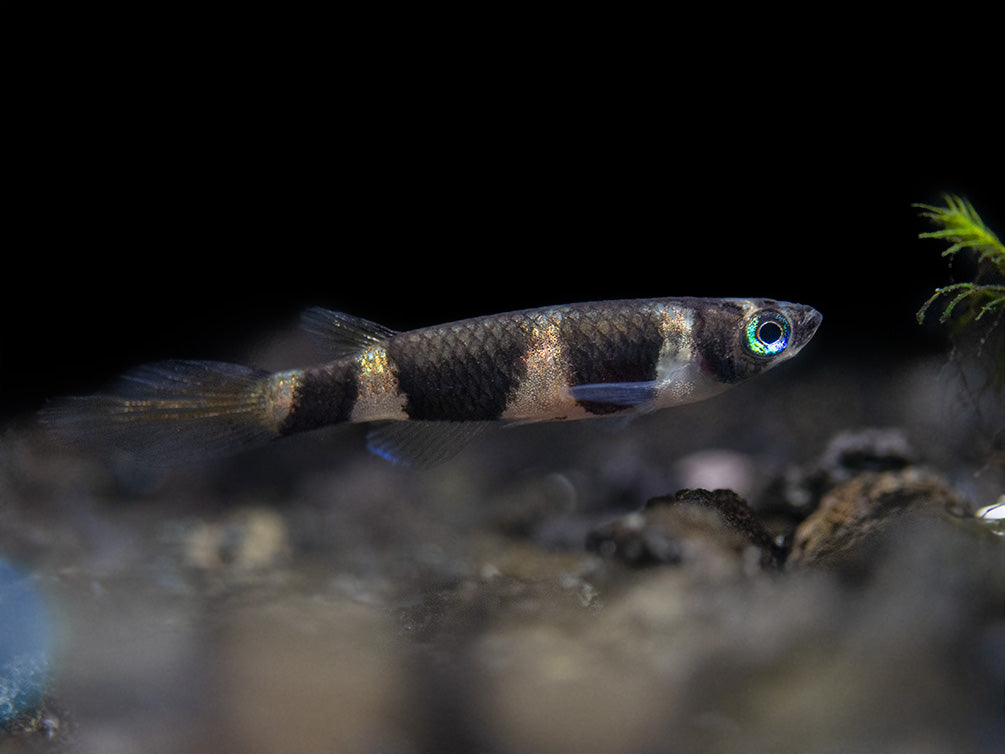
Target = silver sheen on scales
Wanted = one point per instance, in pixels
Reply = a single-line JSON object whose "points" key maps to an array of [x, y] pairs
{"points": [[426, 391]]}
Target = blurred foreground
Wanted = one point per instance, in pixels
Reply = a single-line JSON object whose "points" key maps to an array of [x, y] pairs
{"points": [[524, 596]]}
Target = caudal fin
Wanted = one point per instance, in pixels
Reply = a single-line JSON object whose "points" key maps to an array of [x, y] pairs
{"points": [[171, 412]]}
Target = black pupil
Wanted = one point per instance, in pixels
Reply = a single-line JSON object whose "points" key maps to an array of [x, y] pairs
{"points": [[769, 332]]}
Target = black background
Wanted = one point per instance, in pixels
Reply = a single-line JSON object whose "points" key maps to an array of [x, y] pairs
{"points": [[184, 197]]}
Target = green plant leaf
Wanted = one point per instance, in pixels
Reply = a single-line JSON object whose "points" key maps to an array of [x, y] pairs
{"points": [[961, 226]]}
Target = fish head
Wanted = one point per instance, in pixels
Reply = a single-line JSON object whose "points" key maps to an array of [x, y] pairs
{"points": [[740, 338]]}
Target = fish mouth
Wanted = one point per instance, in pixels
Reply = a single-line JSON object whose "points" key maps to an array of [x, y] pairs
{"points": [[805, 324], [812, 319]]}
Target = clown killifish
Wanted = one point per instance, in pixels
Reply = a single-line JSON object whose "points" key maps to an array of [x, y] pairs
{"points": [[426, 391]]}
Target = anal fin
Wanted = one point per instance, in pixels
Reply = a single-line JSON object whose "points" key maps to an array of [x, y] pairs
{"points": [[421, 443]]}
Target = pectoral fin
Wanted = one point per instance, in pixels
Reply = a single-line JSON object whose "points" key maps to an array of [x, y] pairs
{"points": [[615, 394], [421, 443]]}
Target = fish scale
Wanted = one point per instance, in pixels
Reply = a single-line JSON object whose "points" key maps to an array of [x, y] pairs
{"points": [[425, 392], [457, 373]]}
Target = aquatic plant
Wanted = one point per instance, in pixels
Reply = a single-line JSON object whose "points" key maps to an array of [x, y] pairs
{"points": [[963, 228]]}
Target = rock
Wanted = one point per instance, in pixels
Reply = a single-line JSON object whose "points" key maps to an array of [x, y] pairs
{"points": [[797, 491], [25, 636], [853, 514], [305, 673], [247, 540], [687, 526], [867, 449]]}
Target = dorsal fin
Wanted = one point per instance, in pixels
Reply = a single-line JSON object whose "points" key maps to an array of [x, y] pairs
{"points": [[339, 334]]}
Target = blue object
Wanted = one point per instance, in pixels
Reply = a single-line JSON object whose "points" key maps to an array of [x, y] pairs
{"points": [[24, 644]]}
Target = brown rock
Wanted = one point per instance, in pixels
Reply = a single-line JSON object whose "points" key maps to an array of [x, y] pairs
{"points": [[854, 513], [689, 525]]}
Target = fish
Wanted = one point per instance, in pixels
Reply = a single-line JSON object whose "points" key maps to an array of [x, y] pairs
{"points": [[425, 393]]}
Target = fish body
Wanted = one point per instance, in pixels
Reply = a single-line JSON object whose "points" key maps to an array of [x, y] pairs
{"points": [[426, 391]]}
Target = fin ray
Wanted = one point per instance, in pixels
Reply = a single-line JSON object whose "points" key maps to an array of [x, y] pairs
{"points": [[169, 412], [421, 443], [339, 334]]}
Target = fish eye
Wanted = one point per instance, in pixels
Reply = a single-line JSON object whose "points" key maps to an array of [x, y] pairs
{"points": [[768, 332]]}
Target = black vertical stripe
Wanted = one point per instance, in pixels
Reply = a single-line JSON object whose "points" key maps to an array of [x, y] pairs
{"points": [[324, 395], [619, 343], [460, 372], [718, 330]]}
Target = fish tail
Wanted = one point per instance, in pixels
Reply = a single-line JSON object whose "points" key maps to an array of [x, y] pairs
{"points": [[177, 411]]}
